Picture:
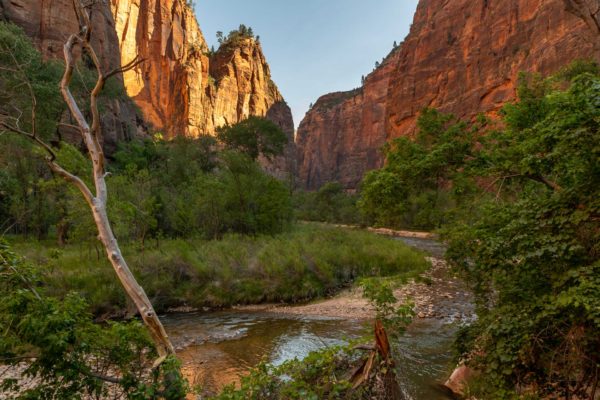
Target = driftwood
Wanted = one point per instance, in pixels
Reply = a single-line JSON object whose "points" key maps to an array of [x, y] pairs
{"points": [[379, 364]]}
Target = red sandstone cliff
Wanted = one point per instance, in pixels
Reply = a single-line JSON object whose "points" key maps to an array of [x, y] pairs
{"points": [[179, 88], [461, 56], [49, 23]]}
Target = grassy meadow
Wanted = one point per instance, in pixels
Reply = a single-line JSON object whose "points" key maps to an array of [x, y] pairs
{"points": [[307, 262]]}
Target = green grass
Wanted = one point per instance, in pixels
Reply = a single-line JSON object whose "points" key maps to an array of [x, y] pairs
{"points": [[306, 263]]}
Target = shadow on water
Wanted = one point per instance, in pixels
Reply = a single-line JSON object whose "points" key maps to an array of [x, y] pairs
{"points": [[216, 348]]}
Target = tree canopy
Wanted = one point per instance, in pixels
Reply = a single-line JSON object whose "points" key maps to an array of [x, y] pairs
{"points": [[254, 136]]}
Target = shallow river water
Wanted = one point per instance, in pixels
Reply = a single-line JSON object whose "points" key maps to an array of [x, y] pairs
{"points": [[217, 347]]}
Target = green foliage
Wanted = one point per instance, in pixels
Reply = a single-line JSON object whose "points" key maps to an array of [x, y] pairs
{"points": [[24, 73], [30, 202], [422, 179], [380, 293], [181, 188], [236, 36], [254, 137], [329, 204], [532, 252], [319, 376], [56, 344], [235, 270]]}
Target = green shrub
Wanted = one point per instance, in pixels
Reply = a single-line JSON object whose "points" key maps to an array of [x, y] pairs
{"points": [[531, 251], [329, 204], [57, 345]]}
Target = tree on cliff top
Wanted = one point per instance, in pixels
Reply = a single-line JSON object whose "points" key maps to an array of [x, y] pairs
{"points": [[236, 35]]}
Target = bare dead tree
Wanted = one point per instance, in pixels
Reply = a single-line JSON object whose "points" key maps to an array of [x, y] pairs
{"points": [[589, 12], [96, 199]]}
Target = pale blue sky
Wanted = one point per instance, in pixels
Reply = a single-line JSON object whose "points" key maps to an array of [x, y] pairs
{"points": [[313, 46]]}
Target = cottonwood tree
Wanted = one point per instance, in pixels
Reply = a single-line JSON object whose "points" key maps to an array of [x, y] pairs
{"points": [[589, 12], [96, 197]]}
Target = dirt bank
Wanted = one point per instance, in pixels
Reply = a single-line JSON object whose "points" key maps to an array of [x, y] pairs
{"points": [[442, 297]]}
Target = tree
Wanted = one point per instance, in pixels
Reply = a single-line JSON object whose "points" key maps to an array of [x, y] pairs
{"points": [[220, 37], [254, 136], [90, 133], [530, 250], [421, 177]]}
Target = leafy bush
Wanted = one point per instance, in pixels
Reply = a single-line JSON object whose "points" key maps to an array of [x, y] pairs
{"points": [[329, 204], [56, 345], [421, 181], [532, 251], [254, 136]]}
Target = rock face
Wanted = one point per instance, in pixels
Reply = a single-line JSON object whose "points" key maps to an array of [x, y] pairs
{"points": [[183, 89], [180, 88], [341, 136], [49, 23], [461, 56]]}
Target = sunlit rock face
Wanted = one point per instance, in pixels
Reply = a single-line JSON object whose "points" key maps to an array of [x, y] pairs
{"points": [[170, 85], [49, 23], [179, 88], [183, 89], [461, 56]]}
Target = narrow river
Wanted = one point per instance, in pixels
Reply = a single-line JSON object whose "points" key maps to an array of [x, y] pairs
{"points": [[217, 347]]}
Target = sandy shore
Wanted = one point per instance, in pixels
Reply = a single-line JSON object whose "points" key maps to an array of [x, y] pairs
{"points": [[437, 299]]}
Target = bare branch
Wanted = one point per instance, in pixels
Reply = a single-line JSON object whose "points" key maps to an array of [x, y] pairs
{"points": [[31, 137], [127, 67], [69, 126], [26, 82], [547, 182], [73, 179]]}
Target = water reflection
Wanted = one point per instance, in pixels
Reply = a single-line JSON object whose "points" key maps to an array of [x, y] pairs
{"points": [[217, 348]]}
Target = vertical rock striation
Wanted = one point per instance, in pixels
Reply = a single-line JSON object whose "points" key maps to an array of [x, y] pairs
{"points": [[49, 23], [180, 88], [342, 135], [461, 56]]}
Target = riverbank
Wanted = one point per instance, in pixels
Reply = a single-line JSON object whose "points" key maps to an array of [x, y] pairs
{"points": [[308, 262], [436, 294], [277, 333]]}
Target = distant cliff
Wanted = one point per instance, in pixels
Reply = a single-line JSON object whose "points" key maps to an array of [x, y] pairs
{"points": [[181, 88], [461, 56]]}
